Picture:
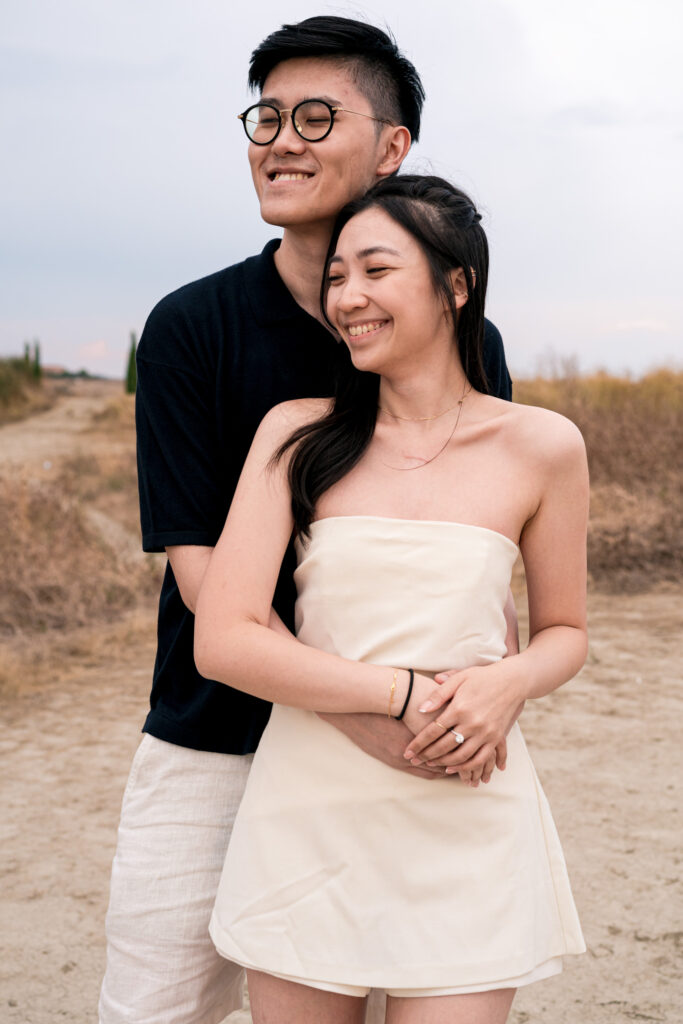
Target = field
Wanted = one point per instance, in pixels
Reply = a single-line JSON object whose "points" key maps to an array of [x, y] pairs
{"points": [[77, 611]]}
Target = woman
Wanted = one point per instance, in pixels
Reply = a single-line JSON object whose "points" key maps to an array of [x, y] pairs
{"points": [[409, 497]]}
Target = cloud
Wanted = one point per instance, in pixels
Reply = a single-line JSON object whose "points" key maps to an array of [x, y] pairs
{"points": [[93, 351]]}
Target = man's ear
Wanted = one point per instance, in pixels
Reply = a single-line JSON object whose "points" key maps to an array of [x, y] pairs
{"points": [[459, 286], [395, 150]]}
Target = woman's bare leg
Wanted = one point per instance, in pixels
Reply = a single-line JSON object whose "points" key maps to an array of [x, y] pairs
{"points": [[477, 1008], [274, 1001]]}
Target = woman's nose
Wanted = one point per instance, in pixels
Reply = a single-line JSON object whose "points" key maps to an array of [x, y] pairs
{"points": [[351, 295]]}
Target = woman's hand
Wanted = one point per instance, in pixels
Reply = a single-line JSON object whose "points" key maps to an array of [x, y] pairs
{"points": [[481, 704], [423, 689]]}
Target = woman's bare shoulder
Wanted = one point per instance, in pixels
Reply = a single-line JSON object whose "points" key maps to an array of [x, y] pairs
{"points": [[546, 436], [283, 419]]}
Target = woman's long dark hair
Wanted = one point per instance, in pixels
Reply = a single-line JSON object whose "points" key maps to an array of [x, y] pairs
{"points": [[445, 223]]}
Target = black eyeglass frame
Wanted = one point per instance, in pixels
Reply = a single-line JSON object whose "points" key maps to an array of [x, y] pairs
{"points": [[292, 112]]}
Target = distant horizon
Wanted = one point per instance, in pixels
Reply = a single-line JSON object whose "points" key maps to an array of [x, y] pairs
{"points": [[53, 369]]}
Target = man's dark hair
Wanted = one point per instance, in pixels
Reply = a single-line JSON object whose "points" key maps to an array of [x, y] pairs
{"points": [[378, 68]]}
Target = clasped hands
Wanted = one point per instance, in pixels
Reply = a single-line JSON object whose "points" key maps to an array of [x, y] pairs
{"points": [[481, 703]]}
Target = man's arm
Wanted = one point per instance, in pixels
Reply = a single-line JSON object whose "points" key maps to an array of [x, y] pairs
{"points": [[380, 737], [189, 563]]}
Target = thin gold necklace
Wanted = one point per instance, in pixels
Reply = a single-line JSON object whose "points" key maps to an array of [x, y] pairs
{"points": [[418, 419], [458, 406]]}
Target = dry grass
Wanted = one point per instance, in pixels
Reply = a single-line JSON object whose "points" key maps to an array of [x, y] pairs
{"points": [[21, 393], [69, 552], [74, 578], [634, 436]]}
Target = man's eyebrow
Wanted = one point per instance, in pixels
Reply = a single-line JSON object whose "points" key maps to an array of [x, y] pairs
{"points": [[273, 101], [371, 251]]}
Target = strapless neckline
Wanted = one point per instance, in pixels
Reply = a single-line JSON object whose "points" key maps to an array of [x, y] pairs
{"points": [[418, 522]]}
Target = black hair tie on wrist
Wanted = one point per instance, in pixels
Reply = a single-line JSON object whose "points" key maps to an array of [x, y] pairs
{"points": [[407, 700]]}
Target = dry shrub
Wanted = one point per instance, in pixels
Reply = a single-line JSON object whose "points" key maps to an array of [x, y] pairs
{"points": [[31, 664], [634, 436], [21, 393], [62, 566], [118, 415]]}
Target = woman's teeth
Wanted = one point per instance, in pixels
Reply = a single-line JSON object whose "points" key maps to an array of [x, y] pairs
{"points": [[356, 332]]}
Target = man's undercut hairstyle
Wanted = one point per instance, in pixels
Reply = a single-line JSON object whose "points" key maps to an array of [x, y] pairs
{"points": [[377, 67]]}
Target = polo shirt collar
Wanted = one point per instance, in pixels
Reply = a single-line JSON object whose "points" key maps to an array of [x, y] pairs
{"points": [[270, 300]]}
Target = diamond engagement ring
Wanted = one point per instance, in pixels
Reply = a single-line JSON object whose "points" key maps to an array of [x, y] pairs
{"points": [[459, 738]]}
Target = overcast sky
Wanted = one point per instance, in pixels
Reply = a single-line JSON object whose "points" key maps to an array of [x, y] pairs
{"points": [[124, 170]]}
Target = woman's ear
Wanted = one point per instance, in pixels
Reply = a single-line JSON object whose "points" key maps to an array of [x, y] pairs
{"points": [[459, 286]]}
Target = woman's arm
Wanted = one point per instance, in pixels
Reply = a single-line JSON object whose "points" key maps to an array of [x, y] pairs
{"points": [[482, 702], [233, 641]]}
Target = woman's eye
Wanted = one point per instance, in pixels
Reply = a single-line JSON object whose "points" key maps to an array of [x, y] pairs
{"points": [[334, 280], [376, 270]]}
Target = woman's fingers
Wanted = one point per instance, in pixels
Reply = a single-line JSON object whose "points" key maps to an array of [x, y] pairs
{"points": [[435, 740], [478, 760], [442, 693], [446, 756], [482, 760]]}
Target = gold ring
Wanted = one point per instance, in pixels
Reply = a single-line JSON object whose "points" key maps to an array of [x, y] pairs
{"points": [[444, 727]]}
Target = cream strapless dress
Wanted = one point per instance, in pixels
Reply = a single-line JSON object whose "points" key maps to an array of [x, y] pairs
{"points": [[345, 874]]}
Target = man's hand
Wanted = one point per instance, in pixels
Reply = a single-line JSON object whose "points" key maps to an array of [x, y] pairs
{"points": [[383, 738], [512, 626]]}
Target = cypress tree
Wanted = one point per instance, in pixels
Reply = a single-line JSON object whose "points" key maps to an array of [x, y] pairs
{"points": [[36, 367], [131, 373]]}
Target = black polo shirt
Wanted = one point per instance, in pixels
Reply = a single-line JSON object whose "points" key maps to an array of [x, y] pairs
{"points": [[213, 358]]}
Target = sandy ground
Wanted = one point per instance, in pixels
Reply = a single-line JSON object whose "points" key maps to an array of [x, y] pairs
{"points": [[607, 748]]}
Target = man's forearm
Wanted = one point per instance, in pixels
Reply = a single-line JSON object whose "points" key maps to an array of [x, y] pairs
{"points": [[512, 626], [189, 563], [381, 737]]}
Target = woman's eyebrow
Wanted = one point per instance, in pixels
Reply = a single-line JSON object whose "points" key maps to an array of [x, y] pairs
{"points": [[370, 251], [373, 249]]}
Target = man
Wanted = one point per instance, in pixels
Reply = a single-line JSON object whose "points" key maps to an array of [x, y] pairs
{"points": [[214, 357]]}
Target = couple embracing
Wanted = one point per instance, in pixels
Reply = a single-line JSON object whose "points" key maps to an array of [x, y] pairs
{"points": [[343, 401]]}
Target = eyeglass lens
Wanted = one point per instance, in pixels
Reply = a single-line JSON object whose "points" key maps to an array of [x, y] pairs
{"points": [[312, 121]]}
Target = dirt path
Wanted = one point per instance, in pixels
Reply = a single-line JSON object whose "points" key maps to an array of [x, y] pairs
{"points": [[30, 444], [607, 748]]}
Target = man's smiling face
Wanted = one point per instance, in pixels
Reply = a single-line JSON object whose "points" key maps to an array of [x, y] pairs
{"points": [[301, 183]]}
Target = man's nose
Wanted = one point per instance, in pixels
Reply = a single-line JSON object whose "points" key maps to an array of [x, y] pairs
{"points": [[288, 140]]}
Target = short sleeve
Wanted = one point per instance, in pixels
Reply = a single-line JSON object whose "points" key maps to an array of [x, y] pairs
{"points": [[495, 366], [180, 487]]}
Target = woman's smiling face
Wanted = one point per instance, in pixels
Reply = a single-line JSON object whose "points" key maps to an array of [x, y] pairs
{"points": [[381, 296]]}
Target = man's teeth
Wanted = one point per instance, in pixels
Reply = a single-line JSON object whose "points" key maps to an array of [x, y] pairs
{"points": [[290, 177], [355, 332]]}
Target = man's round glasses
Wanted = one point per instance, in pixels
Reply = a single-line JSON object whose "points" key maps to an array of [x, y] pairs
{"points": [[312, 120]]}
